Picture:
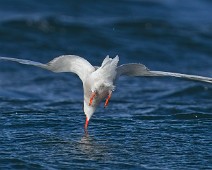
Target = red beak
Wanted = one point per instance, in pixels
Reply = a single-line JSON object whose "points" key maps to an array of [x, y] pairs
{"points": [[86, 124]]}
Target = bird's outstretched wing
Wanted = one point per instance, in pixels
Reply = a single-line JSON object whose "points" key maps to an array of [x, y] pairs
{"points": [[64, 63], [142, 70]]}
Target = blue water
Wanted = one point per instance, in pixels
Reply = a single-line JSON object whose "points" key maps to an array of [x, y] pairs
{"points": [[151, 123]]}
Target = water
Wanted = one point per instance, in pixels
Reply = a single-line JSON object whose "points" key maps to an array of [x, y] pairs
{"points": [[151, 123]]}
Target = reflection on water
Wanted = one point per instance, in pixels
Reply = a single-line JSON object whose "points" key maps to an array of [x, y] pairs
{"points": [[93, 149]]}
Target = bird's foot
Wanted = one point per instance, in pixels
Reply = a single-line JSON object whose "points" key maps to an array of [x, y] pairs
{"points": [[108, 98], [93, 94]]}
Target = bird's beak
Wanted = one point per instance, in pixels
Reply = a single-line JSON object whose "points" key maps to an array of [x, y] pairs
{"points": [[86, 123]]}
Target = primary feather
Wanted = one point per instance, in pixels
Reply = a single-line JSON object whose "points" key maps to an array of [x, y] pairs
{"points": [[64, 63], [142, 70]]}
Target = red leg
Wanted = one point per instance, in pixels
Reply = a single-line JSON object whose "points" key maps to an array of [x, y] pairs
{"points": [[93, 94], [108, 98]]}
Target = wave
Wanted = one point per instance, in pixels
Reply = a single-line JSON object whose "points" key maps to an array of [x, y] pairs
{"points": [[191, 91], [191, 116]]}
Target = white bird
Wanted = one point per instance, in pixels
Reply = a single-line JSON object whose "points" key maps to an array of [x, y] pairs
{"points": [[99, 82]]}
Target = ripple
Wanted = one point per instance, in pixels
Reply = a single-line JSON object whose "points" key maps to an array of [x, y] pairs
{"points": [[193, 90], [190, 116], [14, 163]]}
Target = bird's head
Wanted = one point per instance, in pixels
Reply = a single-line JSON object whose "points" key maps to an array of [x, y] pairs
{"points": [[88, 110]]}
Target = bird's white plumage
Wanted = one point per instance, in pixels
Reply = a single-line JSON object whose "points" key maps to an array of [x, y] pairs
{"points": [[71, 63], [99, 82], [141, 70], [64, 63]]}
